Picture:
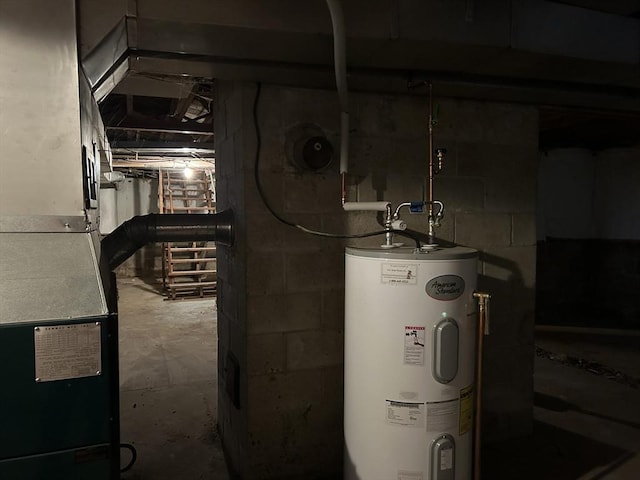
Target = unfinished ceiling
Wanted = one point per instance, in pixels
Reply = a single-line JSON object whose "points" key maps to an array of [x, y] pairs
{"points": [[580, 57]]}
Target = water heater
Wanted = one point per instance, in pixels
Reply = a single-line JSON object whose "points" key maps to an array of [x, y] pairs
{"points": [[410, 326]]}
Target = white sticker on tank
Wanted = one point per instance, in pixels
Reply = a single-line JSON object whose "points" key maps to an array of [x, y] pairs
{"points": [[400, 273], [406, 414], [442, 416], [414, 345], [446, 459]]}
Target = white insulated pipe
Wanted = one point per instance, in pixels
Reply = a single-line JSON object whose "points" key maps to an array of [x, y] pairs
{"points": [[340, 63], [366, 206]]}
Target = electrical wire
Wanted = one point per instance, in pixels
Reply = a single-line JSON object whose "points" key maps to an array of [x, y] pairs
{"points": [[280, 218], [134, 456]]}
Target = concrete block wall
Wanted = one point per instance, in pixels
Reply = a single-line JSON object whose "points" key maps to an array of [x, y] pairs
{"points": [[281, 291]]}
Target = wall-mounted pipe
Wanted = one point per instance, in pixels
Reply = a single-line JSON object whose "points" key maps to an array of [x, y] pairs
{"points": [[133, 234], [340, 66], [366, 206]]}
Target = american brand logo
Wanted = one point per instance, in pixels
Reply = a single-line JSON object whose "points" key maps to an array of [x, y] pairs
{"points": [[445, 287]]}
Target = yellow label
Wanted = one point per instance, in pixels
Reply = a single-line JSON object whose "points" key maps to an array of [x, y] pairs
{"points": [[466, 409]]}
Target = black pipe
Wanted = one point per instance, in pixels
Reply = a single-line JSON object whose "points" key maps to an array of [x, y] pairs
{"points": [[133, 234]]}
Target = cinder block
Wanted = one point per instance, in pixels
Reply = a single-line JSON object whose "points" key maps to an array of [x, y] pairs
{"points": [[313, 349], [306, 428], [265, 354], [265, 233], [483, 229], [460, 194], [523, 229], [367, 154], [497, 161], [311, 193], [299, 241], [313, 272], [264, 273], [511, 124], [511, 264], [225, 157], [284, 312], [273, 189], [390, 115], [321, 107], [515, 195], [233, 111]]}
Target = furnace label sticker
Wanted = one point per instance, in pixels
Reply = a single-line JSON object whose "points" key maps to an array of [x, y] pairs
{"points": [[414, 345], [466, 409], [67, 351], [405, 414], [405, 475], [400, 274], [442, 416]]}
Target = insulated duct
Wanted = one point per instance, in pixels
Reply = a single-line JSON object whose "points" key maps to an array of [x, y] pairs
{"points": [[133, 234]]}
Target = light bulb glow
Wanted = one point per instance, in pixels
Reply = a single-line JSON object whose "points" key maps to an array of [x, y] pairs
{"points": [[188, 172]]}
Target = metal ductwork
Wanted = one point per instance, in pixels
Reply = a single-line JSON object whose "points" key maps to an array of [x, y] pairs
{"points": [[141, 230]]}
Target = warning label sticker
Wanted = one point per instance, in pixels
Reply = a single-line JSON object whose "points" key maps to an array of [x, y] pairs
{"points": [[466, 409], [406, 414], [399, 273], [414, 345], [442, 416]]}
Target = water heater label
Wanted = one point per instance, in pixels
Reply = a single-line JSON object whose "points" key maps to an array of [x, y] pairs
{"points": [[400, 273], [445, 287], [414, 345], [466, 409], [442, 416], [67, 351], [406, 414]]}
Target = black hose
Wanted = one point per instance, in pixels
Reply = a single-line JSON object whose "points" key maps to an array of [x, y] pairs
{"points": [[133, 234], [256, 176], [134, 456]]}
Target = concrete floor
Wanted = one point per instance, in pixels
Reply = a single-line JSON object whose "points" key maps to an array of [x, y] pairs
{"points": [[586, 425], [168, 385]]}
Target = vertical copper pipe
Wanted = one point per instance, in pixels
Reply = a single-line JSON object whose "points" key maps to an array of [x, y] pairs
{"points": [[483, 329], [430, 171]]}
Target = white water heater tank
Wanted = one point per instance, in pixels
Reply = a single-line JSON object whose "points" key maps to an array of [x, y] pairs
{"points": [[410, 326]]}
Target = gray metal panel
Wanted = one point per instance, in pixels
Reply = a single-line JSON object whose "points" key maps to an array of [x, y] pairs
{"points": [[445, 350], [42, 224], [443, 456], [408, 253], [105, 55], [48, 276], [39, 110]]}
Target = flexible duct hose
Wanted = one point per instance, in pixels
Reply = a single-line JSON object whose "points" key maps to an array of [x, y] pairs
{"points": [[133, 234]]}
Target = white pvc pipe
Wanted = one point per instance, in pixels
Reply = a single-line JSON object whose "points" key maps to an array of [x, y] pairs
{"points": [[340, 61], [366, 206]]}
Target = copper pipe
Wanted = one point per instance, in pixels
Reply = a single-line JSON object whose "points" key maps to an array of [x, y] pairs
{"points": [[430, 171], [483, 329]]}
